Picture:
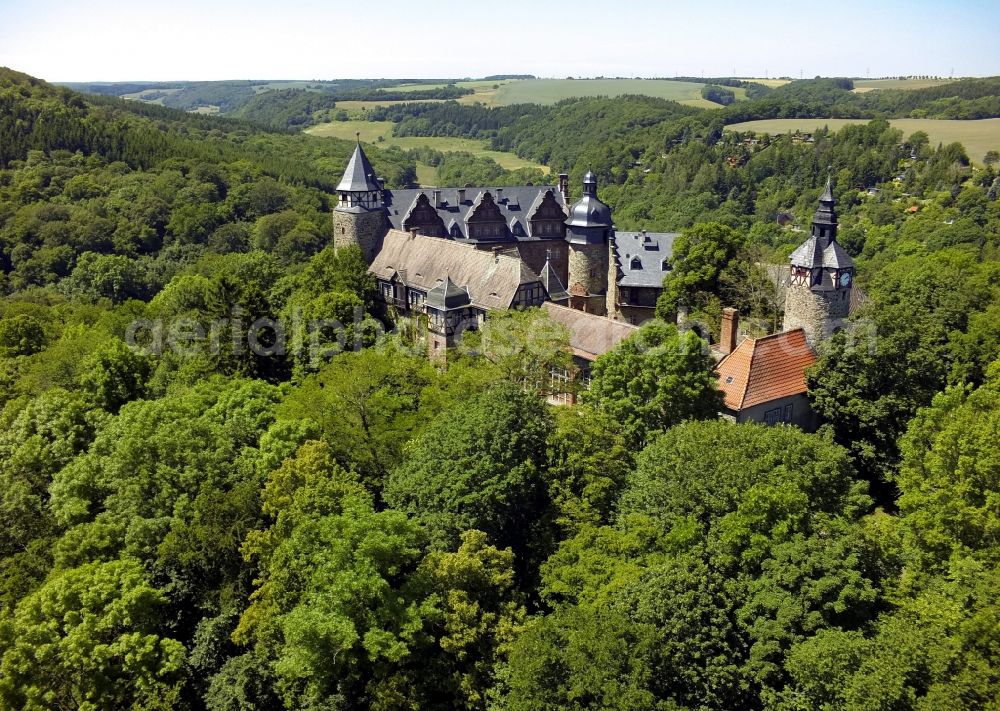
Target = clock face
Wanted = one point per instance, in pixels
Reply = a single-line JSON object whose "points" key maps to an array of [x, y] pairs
{"points": [[845, 279]]}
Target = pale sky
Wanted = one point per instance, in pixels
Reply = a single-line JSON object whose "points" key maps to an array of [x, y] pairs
{"points": [[115, 40]]}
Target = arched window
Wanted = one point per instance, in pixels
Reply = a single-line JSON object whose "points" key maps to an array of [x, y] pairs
{"points": [[636, 263]]}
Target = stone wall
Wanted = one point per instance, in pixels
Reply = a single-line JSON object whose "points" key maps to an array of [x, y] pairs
{"points": [[364, 229], [635, 315], [590, 304], [533, 254], [819, 314], [588, 267]]}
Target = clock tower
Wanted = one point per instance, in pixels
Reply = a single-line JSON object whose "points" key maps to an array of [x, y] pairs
{"points": [[818, 299]]}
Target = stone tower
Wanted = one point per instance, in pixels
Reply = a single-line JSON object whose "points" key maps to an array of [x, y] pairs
{"points": [[818, 298], [589, 231], [359, 218]]}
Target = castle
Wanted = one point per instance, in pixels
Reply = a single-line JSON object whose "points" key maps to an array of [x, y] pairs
{"points": [[456, 254], [574, 251]]}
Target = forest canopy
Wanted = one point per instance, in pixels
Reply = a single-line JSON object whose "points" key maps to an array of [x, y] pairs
{"points": [[345, 525]]}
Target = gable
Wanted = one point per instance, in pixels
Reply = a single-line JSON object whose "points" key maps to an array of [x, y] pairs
{"points": [[424, 217], [486, 211], [548, 209]]}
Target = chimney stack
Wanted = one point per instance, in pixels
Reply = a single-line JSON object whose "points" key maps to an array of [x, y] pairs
{"points": [[564, 186], [437, 199], [499, 195], [461, 196], [730, 329]]}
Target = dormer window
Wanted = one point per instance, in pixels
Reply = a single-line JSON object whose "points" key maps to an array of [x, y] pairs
{"points": [[665, 265], [636, 263]]}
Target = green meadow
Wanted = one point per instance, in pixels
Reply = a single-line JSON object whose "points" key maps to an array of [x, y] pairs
{"points": [[380, 133]]}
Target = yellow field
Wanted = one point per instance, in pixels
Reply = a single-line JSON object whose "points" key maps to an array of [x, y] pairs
{"points": [[371, 131], [486, 97], [863, 85], [701, 103], [773, 83], [978, 137]]}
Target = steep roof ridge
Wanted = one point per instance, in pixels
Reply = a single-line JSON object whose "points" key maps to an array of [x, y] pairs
{"points": [[359, 176]]}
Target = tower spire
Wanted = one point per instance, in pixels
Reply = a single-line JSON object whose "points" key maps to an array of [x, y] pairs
{"points": [[827, 195], [824, 225]]}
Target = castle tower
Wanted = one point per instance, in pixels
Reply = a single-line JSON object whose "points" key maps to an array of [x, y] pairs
{"points": [[818, 298], [589, 231], [447, 316], [359, 218]]}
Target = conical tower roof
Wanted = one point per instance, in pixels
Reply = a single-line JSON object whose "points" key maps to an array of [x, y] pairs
{"points": [[359, 175]]}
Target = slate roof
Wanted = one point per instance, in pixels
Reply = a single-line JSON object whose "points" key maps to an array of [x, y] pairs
{"points": [[589, 335], [765, 369], [447, 296], [491, 280], [517, 203], [817, 252], [651, 248], [589, 210], [359, 175], [823, 251], [552, 284]]}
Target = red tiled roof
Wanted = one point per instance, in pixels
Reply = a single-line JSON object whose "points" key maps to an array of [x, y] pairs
{"points": [[764, 369]]}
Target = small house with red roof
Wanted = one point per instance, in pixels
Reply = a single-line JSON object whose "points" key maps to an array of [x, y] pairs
{"points": [[763, 380]]}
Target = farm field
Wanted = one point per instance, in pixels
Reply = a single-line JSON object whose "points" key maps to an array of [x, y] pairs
{"points": [[863, 85], [978, 137], [773, 83], [146, 95], [702, 103], [549, 91], [476, 85], [371, 131]]}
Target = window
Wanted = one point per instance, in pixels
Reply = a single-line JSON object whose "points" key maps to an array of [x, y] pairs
{"points": [[787, 416], [636, 263], [559, 386], [772, 417]]}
